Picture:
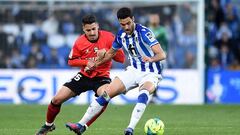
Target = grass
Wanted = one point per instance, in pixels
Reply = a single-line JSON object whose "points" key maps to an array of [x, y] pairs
{"points": [[178, 119]]}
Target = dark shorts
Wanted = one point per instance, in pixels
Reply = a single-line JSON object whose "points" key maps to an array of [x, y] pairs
{"points": [[81, 83]]}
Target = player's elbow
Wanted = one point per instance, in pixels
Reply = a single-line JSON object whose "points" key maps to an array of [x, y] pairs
{"points": [[164, 56]]}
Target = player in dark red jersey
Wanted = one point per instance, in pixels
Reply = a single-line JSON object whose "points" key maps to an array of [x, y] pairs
{"points": [[94, 43]]}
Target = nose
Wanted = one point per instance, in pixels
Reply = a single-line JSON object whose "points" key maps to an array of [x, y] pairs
{"points": [[92, 32], [126, 27]]}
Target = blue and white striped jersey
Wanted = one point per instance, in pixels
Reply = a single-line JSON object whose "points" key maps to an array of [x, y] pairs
{"points": [[137, 45]]}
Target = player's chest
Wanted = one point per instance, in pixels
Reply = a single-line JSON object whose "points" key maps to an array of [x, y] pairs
{"points": [[130, 41], [92, 48]]}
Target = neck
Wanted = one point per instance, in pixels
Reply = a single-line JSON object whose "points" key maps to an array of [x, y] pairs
{"points": [[134, 25]]}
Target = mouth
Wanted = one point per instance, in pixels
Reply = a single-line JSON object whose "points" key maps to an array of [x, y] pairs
{"points": [[127, 31]]}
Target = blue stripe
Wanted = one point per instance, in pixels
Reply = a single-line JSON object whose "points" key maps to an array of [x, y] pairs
{"points": [[143, 66], [134, 63], [143, 46], [151, 67], [6, 77], [143, 98], [158, 67], [116, 44], [139, 58], [102, 101]]}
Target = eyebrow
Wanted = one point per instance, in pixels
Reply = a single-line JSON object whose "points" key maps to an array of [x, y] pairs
{"points": [[91, 28], [125, 23]]}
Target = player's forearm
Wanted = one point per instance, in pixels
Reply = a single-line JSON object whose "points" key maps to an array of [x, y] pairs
{"points": [[77, 62], [159, 57], [108, 56]]}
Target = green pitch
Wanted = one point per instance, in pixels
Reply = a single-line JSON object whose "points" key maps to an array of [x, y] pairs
{"points": [[178, 119]]}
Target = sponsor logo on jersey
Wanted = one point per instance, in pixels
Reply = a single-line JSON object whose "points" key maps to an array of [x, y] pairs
{"points": [[149, 36]]}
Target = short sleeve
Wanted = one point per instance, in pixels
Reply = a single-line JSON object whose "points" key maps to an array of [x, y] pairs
{"points": [[116, 44], [75, 52], [148, 37]]}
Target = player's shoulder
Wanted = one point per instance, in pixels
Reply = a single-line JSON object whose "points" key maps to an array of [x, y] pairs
{"points": [[146, 33], [142, 29], [81, 38], [120, 33], [106, 33]]}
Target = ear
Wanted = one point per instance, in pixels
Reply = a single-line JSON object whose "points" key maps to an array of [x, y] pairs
{"points": [[83, 28], [133, 18], [97, 25]]}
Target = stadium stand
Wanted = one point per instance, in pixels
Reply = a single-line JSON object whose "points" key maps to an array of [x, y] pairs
{"points": [[27, 24]]}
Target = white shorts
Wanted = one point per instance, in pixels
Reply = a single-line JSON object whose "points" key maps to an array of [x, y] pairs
{"points": [[133, 78]]}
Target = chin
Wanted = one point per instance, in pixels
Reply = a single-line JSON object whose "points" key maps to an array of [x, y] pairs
{"points": [[93, 40], [128, 32]]}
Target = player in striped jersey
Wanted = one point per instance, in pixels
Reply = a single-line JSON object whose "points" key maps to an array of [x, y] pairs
{"points": [[145, 54]]}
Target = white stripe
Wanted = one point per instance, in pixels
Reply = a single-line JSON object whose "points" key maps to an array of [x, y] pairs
{"points": [[124, 43], [138, 45], [147, 66]]}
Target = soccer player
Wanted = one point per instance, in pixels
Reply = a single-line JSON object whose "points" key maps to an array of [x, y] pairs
{"points": [[86, 49], [145, 55]]}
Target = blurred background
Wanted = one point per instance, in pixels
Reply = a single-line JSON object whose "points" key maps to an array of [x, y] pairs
{"points": [[201, 39]]}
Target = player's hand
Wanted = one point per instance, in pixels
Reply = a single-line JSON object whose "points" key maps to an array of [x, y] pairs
{"points": [[146, 59], [90, 66], [101, 54]]}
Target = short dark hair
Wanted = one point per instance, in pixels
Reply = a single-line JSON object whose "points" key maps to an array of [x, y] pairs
{"points": [[89, 19], [124, 12]]}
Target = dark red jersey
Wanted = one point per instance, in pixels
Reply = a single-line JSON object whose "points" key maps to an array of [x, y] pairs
{"points": [[84, 50]]}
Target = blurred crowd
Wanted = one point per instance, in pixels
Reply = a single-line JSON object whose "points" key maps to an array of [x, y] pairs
{"points": [[222, 34], [42, 37]]}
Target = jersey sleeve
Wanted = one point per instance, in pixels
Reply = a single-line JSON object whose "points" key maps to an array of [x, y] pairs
{"points": [[148, 37], [119, 57], [116, 43], [74, 58], [75, 52]]}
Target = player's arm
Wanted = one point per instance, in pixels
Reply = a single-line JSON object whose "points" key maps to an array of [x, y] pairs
{"points": [[116, 48], [74, 58], [108, 56], [103, 56], [119, 57], [149, 38], [159, 54], [100, 60], [76, 62]]}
